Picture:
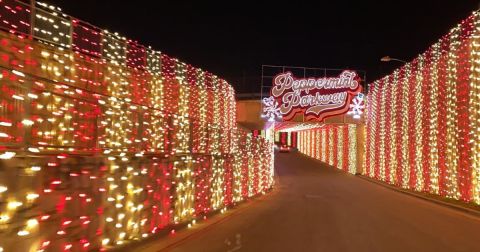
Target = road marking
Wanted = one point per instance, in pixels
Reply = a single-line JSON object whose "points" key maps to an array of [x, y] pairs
{"points": [[238, 243]]}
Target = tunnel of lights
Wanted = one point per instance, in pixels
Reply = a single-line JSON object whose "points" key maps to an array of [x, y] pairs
{"points": [[104, 141]]}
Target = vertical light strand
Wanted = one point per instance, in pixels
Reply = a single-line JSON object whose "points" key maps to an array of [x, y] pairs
{"points": [[394, 127], [324, 146], [327, 145], [335, 146], [452, 134], [374, 110], [182, 120], [352, 148], [411, 124], [433, 120], [368, 129], [464, 144], [419, 183], [299, 142], [388, 127], [314, 143], [474, 108], [237, 167], [217, 195], [340, 148], [330, 145], [250, 147], [382, 130], [203, 123], [426, 82], [346, 148], [302, 142], [405, 124], [184, 190], [309, 143]]}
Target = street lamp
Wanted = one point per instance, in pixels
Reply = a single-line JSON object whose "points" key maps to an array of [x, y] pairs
{"points": [[388, 58]]}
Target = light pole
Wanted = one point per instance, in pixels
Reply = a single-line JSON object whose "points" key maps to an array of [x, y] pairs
{"points": [[388, 58]]}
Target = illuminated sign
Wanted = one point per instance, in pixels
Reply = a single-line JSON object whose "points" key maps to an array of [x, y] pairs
{"points": [[357, 106], [316, 98]]}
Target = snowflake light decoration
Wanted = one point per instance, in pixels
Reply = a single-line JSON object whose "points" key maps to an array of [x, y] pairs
{"points": [[271, 109], [357, 106]]}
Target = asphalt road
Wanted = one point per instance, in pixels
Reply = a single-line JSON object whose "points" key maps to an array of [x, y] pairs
{"points": [[318, 208]]}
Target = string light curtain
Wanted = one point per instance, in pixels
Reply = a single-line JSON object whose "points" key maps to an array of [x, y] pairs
{"points": [[423, 131], [341, 153], [104, 141]]}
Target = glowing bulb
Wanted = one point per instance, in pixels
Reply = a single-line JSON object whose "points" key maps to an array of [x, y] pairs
{"points": [[16, 72], [36, 168], [32, 223], [23, 233], [12, 205], [27, 122], [32, 196], [33, 96], [34, 150], [18, 97], [3, 189], [7, 155], [6, 124], [4, 218], [105, 241]]}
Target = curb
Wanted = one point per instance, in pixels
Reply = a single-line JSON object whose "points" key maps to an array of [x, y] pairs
{"points": [[467, 210], [168, 243]]}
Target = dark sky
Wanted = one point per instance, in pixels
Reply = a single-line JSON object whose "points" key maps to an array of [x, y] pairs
{"points": [[233, 39]]}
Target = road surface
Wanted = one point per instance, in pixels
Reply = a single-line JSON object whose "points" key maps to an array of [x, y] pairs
{"points": [[318, 208]]}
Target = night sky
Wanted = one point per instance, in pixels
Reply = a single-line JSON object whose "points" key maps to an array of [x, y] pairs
{"points": [[233, 39]]}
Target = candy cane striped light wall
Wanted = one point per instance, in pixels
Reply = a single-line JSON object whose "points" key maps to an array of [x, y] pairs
{"points": [[335, 145], [423, 128]]}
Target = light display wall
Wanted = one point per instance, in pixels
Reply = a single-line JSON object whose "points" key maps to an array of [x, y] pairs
{"points": [[286, 139], [422, 129], [103, 145], [335, 145]]}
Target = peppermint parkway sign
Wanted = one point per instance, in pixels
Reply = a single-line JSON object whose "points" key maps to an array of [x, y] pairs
{"points": [[316, 98]]}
